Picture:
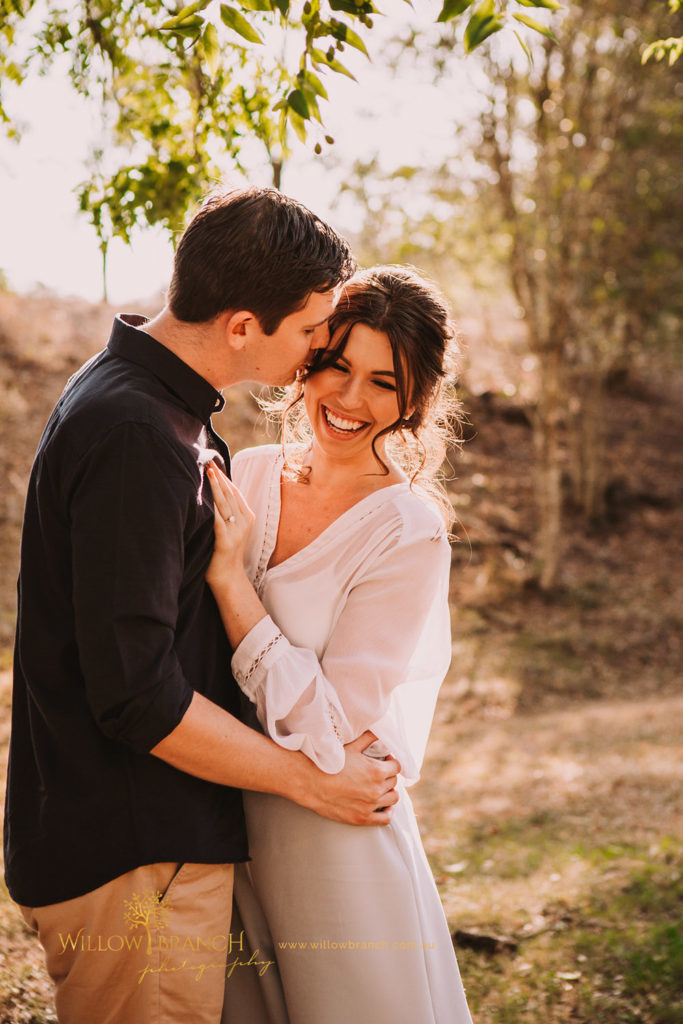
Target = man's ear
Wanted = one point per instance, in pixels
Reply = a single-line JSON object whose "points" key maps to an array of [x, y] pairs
{"points": [[238, 328]]}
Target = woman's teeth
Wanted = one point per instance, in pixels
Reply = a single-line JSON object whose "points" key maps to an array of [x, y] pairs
{"points": [[347, 426]]}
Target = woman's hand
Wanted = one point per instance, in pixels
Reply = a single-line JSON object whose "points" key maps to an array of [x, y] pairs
{"points": [[232, 524]]}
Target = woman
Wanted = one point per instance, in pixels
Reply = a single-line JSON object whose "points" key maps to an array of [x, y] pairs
{"points": [[334, 595]]}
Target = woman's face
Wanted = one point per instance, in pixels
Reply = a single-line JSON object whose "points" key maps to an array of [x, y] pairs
{"points": [[352, 401]]}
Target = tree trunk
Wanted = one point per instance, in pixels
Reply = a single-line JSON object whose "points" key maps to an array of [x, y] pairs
{"points": [[548, 446], [587, 444], [277, 173], [104, 249]]}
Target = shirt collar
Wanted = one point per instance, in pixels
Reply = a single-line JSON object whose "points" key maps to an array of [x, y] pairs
{"points": [[142, 349]]}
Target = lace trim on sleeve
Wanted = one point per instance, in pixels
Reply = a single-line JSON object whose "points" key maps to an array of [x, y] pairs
{"points": [[260, 656], [334, 719]]}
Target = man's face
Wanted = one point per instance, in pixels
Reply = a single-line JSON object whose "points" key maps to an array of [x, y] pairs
{"points": [[278, 356]]}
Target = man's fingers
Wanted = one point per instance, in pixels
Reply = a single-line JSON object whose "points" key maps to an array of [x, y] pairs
{"points": [[390, 795], [382, 817], [363, 741]]}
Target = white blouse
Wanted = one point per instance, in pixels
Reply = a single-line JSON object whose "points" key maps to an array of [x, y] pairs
{"points": [[358, 631]]}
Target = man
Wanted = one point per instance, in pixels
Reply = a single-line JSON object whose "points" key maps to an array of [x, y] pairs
{"points": [[126, 755]]}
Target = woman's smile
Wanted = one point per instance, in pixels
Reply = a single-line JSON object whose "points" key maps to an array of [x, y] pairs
{"points": [[342, 424]]}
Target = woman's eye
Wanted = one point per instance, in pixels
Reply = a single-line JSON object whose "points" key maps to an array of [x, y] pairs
{"points": [[340, 367], [385, 385]]}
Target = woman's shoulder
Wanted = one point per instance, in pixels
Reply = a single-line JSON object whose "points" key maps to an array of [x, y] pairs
{"points": [[419, 516]]}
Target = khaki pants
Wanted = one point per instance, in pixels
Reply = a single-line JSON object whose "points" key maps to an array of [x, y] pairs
{"points": [[149, 947]]}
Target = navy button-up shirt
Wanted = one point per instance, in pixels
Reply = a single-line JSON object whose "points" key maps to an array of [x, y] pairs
{"points": [[116, 629]]}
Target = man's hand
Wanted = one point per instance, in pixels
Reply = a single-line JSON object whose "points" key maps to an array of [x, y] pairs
{"points": [[356, 794], [212, 744]]}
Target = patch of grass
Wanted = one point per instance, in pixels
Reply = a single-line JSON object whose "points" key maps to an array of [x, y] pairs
{"points": [[25, 989], [616, 958], [607, 854], [640, 949], [514, 848]]}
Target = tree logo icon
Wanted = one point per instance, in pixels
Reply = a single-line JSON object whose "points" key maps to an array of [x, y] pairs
{"points": [[147, 910]]}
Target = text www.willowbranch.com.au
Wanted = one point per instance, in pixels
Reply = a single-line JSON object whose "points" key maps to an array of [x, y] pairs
{"points": [[330, 944]]}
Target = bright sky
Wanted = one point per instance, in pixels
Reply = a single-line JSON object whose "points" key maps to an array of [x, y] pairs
{"points": [[45, 240]]}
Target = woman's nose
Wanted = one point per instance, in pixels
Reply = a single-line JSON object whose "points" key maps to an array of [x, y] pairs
{"points": [[350, 392]]}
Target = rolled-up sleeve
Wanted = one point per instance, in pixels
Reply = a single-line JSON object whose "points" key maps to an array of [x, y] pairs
{"points": [[131, 506]]}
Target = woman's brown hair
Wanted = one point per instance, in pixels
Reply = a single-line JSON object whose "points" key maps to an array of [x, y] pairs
{"points": [[413, 315]]}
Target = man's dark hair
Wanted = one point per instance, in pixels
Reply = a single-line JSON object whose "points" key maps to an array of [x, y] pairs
{"points": [[258, 250]]}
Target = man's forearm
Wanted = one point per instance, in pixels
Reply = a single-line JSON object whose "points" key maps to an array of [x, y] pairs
{"points": [[214, 745]]}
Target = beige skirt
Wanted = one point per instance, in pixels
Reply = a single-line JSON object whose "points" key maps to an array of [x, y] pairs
{"points": [[348, 920]]}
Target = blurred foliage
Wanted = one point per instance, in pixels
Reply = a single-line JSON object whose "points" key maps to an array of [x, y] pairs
{"points": [[672, 47], [568, 183], [181, 87], [584, 158]]}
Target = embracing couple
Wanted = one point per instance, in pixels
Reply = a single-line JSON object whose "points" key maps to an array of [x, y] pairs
{"points": [[225, 675]]}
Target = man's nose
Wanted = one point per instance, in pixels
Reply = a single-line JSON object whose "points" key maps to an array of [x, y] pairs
{"points": [[321, 337]]}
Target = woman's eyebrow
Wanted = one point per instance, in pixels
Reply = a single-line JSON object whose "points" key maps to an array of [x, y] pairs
{"points": [[373, 373]]}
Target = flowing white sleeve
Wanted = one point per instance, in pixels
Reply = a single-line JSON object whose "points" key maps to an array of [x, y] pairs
{"points": [[382, 666]]}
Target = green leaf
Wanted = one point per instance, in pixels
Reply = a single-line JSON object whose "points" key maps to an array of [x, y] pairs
{"points": [[320, 59], [297, 102], [190, 27], [283, 8], [535, 25], [483, 23], [346, 35], [661, 47], [257, 5], [525, 46], [298, 124], [185, 15], [211, 48], [311, 98], [348, 6], [452, 8], [314, 84], [238, 23], [549, 5]]}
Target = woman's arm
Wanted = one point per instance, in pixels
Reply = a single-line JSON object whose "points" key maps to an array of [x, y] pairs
{"points": [[396, 612]]}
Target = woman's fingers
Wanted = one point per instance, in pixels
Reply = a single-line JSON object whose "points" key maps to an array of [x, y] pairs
{"points": [[233, 501], [221, 502]]}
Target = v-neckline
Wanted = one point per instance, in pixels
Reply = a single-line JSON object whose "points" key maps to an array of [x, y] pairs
{"points": [[275, 511]]}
